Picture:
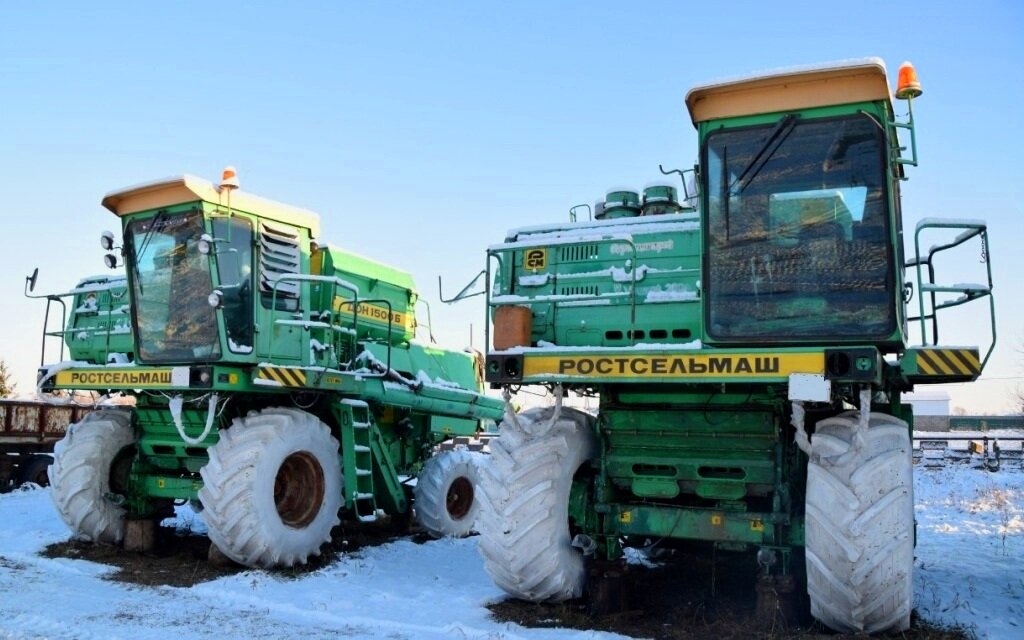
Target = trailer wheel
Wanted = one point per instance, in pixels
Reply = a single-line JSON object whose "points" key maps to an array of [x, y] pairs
{"points": [[35, 470], [860, 525], [524, 525], [6, 472], [86, 472], [445, 495], [272, 488]]}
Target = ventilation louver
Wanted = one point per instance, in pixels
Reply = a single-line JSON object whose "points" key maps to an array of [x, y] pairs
{"points": [[279, 255]]}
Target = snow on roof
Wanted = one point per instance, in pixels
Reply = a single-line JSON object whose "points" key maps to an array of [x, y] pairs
{"points": [[595, 227], [950, 222], [188, 188]]}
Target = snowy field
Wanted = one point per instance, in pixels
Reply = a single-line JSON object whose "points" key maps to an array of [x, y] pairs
{"points": [[970, 554]]}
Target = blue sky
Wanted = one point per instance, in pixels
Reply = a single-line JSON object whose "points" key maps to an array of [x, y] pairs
{"points": [[422, 131]]}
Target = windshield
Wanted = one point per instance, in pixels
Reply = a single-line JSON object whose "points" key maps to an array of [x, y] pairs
{"points": [[797, 236], [171, 285]]}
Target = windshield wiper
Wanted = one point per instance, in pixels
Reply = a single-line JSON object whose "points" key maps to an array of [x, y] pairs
{"points": [[724, 196], [160, 217], [775, 139], [136, 255], [129, 247]]}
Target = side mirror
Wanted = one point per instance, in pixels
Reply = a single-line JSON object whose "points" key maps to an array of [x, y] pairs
{"points": [[30, 281], [110, 260], [107, 240]]}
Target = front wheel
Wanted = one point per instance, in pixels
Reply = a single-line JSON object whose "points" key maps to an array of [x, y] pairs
{"points": [[524, 518], [272, 488], [84, 474], [860, 525]]}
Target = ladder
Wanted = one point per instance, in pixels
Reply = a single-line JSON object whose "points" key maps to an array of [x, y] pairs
{"points": [[356, 424]]}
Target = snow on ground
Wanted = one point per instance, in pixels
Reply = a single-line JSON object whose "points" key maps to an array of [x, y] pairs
{"points": [[970, 552], [397, 590], [970, 549]]}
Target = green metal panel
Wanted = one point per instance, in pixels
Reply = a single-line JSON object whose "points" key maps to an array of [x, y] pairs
{"points": [[389, 313], [695, 524], [604, 291], [161, 445], [99, 322]]}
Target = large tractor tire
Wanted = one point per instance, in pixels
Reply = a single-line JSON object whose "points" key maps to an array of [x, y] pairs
{"points": [[272, 488], [445, 494], [524, 517], [860, 525], [87, 464]]}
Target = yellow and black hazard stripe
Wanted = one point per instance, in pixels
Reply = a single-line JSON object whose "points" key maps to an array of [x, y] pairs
{"points": [[948, 362], [288, 377]]}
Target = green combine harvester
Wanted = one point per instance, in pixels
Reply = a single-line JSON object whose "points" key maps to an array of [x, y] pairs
{"points": [[277, 383], [749, 345]]}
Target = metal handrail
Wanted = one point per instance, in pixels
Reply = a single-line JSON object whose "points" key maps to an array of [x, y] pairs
{"points": [[972, 230], [355, 313], [336, 282], [64, 329]]}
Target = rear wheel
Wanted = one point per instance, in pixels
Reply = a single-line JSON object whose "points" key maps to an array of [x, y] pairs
{"points": [[524, 519], [860, 525], [272, 488], [445, 494], [85, 474]]}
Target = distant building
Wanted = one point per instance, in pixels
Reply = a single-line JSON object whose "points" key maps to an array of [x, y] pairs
{"points": [[929, 403], [931, 409]]}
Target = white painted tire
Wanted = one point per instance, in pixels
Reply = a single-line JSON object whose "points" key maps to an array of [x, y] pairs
{"points": [[445, 494], [524, 504], [272, 488], [80, 474], [860, 525]]}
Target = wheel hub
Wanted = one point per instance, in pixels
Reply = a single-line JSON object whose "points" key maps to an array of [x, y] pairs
{"points": [[459, 498], [299, 489]]}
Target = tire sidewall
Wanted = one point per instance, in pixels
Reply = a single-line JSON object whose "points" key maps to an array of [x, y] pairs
{"points": [[535, 560], [238, 494], [313, 443], [841, 516], [98, 439], [450, 466]]}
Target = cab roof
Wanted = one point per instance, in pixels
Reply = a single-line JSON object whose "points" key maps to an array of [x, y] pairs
{"points": [[821, 85], [167, 192]]}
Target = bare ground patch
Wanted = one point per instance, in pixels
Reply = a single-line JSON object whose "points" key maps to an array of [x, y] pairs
{"points": [[693, 597], [181, 560]]}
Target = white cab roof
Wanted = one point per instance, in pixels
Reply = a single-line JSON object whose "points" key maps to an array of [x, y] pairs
{"points": [[179, 189]]}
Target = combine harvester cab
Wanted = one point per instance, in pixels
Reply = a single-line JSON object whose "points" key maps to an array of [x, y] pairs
{"points": [[277, 383], [749, 358]]}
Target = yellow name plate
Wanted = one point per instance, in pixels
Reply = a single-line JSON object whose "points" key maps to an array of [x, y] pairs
{"points": [[733, 365], [128, 378]]}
